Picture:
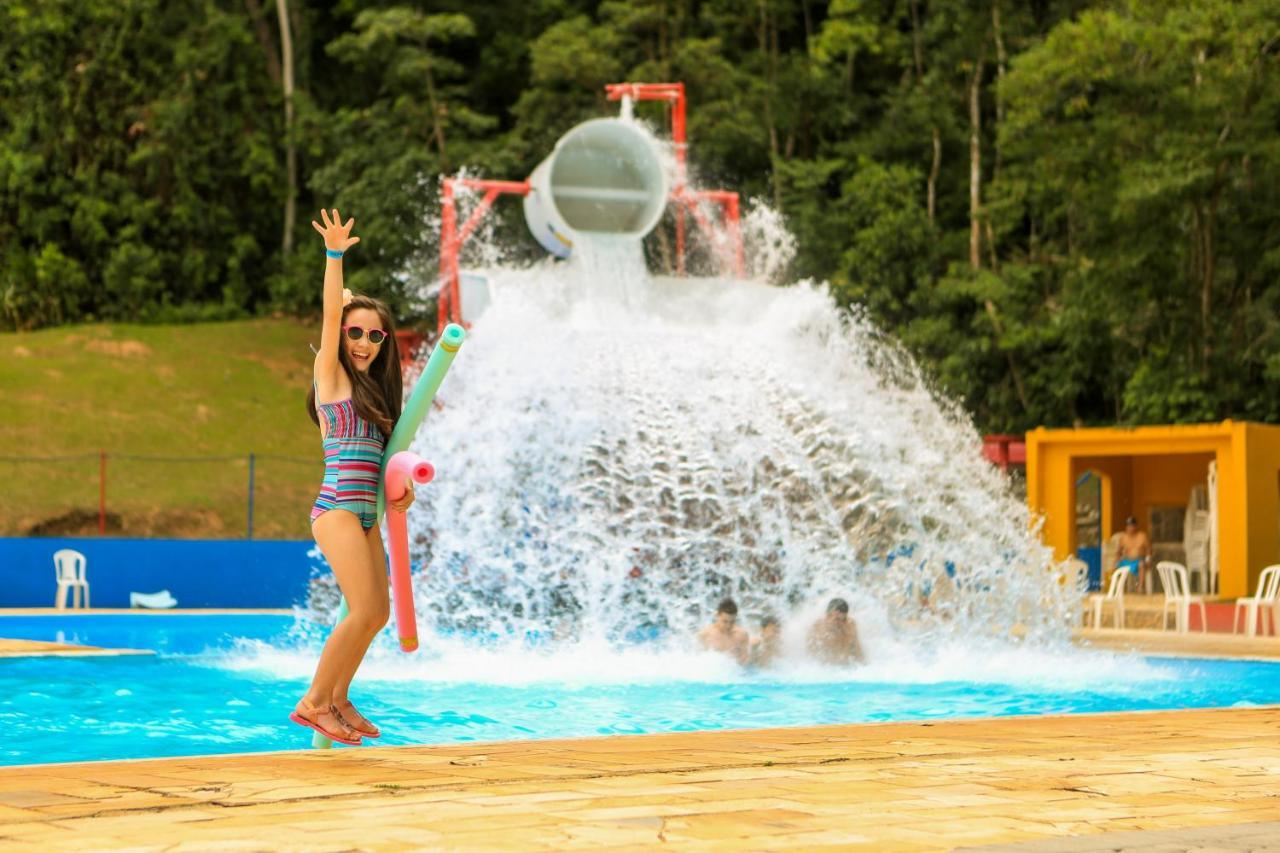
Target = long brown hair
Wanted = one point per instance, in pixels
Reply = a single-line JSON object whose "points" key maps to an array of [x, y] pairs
{"points": [[378, 393]]}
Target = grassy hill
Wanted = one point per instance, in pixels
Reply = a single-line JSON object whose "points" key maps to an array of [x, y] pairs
{"points": [[178, 392]]}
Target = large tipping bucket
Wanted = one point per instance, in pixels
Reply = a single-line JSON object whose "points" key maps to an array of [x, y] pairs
{"points": [[604, 177]]}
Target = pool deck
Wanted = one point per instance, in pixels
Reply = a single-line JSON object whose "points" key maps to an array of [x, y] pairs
{"points": [[894, 786], [38, 648], [1191, 644], [1166, 780]]}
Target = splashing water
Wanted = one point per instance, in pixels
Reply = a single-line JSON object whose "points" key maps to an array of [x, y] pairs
{"points": [[617, 452], [419, 275], [770, 247]]}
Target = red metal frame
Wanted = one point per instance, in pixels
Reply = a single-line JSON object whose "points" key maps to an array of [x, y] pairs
{"points": [[729, 250], [726, 244], [1004, 450], [408, 342], [452, 238], [727, 247]]}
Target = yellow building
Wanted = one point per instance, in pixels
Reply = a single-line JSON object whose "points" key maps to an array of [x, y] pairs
{"points": [[1149, 472]]}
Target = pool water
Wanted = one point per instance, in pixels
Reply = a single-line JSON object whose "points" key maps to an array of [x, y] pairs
{"points": [[205, 693], [159, 632]]}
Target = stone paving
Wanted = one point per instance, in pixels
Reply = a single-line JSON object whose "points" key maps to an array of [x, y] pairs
{"points": [[38, 648], [1191, 644], [895, 786], [1254, 837]]}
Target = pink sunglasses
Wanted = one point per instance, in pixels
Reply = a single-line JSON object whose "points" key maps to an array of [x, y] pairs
{"points": [[355, 333]]}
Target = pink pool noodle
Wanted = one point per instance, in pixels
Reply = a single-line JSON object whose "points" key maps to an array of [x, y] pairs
{"points": [[402, 467]]}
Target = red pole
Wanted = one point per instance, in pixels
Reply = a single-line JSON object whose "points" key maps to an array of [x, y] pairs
{"points": [[677, 128], [451, 238], [455, 283], [102, 493], [732, 219], [681, 146], [679, 238], [473, 220], [516, 187]]}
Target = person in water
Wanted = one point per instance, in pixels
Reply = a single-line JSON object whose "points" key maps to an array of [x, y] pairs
{"points": [[724, 635], [767, 648], [355, 399], [834, 637]]}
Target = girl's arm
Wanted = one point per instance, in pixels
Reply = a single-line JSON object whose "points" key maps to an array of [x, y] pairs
{"points": [[337, 239]]}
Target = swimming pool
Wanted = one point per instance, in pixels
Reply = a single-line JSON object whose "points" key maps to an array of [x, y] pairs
{"points": [[209, 691], [163, 633]]}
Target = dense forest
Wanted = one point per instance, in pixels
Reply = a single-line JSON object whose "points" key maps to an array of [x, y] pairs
{"points": [[1067, 209]]}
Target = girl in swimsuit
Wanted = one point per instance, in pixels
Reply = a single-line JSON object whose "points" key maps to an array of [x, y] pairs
{"points": [[355, 399]]}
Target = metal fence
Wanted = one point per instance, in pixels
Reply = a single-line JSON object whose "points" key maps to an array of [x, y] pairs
{"points": [[263, 495]]}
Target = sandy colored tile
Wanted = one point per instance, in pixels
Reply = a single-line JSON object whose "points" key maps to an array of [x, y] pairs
{"points": [[913, 786]]}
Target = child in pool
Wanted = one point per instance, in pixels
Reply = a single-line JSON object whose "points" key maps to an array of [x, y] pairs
{"points": [[355, 399]]}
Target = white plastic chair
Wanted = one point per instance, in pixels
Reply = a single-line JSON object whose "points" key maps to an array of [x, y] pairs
{"points": [[1178, 597], [1195, 542], [1111, 553], [1114, 596], [1268, 597], [69, 567]]}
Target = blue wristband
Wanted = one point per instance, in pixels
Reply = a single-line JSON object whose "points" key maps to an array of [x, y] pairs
{"points": [[333, 253]]}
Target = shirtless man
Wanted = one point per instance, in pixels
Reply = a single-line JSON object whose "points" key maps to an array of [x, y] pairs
{"points": [[767, 647], [724, 635], [834, 637], [1135, 552]]}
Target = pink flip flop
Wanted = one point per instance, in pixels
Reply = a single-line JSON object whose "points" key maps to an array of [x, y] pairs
{"points": [[297, 717]]}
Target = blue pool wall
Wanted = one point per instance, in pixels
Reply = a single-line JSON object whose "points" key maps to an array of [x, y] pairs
{"points": [[198, 572]]}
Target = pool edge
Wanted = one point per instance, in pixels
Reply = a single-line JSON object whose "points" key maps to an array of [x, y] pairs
{"points": [[906, 785]]}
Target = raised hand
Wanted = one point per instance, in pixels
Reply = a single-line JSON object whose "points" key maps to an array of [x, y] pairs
{"points": [[336, 235]]}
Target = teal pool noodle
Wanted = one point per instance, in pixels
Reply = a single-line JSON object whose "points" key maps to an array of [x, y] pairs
{"points": [[419, 402], [415, 412]]}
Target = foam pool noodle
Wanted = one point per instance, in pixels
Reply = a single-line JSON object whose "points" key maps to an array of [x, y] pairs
{"points": [[415, 411], [403, 467]]}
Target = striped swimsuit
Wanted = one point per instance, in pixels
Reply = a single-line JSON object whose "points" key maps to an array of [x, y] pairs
{"points": [[352, 463]]}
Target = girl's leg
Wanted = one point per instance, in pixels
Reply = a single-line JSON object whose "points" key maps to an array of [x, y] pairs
{"points": [[343, 542], [378, 564]]}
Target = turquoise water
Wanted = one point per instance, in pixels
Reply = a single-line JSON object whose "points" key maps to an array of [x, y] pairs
{"points": [[158, 632], [206, 693]]}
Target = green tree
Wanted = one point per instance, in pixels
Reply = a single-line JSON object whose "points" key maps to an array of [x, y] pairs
{"points": [[403, 112], [1138, 138], [125, 189]]}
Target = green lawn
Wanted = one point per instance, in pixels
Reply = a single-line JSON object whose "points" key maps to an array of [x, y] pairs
{"points": [[183, 391]]}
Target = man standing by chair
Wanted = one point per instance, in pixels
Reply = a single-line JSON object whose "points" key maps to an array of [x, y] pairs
{"points": [[1135, 552]]}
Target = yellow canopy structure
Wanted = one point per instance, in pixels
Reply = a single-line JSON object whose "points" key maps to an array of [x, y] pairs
{"points": [[1149, 472]]}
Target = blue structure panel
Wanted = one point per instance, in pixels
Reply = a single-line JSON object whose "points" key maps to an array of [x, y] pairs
{"points": [[1093, 559], [199, 573]]}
